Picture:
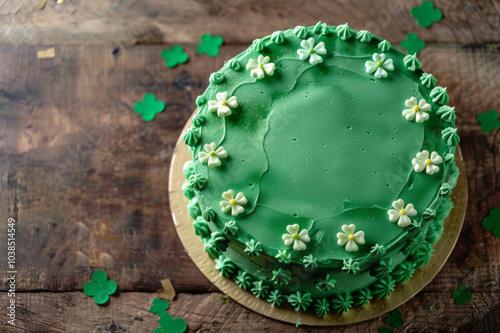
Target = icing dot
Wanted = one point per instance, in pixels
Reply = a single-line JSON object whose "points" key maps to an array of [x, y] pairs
{"points": [[428, 161], [402, 211], [351, 237], [379, 64], [295, 236], [212, 154], [232, 202], [416, 108]]}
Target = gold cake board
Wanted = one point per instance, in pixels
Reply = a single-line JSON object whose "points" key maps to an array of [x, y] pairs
{"points": [[402, 292]]}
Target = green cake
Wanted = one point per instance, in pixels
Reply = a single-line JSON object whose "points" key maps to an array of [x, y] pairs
{"points": [[323, 163]]}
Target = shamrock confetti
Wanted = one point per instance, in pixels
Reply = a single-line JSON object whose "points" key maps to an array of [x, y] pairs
{"points": [[149, 107], [412, 43], [426, 14], [174, 56], [492, 222], [488, 120], [100, 287], [170, 325], [298, 323], [210, 45], [385, 329], [461, 295], [159, 306], [395, 320]]}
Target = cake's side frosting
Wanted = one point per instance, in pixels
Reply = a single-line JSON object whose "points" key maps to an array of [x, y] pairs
{"points": [[323, 161]]}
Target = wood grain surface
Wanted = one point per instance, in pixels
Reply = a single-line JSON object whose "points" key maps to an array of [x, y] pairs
{"points": [[86, 179]]}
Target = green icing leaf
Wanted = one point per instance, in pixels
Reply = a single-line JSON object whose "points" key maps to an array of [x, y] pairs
{"points": [[210, 45], [174, 56], [492, 222], [149, 107], [488, 120], [170, 325], [461, 295], [159, 306], [350, 266], [412, 43], [284, 257], [426, 14]]}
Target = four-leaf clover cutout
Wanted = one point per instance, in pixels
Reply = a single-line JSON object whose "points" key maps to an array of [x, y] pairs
{"points": [[170, 325], [149, 107], [100, 287], [492, 222], [174, 56], [210, 45], [159, 306], [412, 43], [461, 295], [488, 120], [426, 14]]}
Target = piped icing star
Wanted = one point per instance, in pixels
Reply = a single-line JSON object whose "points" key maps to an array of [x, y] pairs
{"points": [[417, 111], [260, 68], [223, 104], [349, 238], [233, 204], [401, 213], [311, 52], [428, 163], [380, 65], [211, 155], [297, 239]]}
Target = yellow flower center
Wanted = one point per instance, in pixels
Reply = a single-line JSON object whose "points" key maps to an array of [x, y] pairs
{"points": [[379, 64], [212, 154], [428, 161], [351, 237], [402, 211], [295, 236], [311, 51], [261, 66], [232, 202], [416, 108], [223, 103]]}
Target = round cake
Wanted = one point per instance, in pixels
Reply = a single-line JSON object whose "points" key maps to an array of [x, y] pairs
{"points": [[323, 163]]}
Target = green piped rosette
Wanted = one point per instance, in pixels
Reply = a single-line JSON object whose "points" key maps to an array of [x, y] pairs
{"points": [[322, 168]]}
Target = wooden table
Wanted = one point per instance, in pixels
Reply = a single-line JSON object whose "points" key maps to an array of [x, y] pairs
{"points": [[86, 179]]}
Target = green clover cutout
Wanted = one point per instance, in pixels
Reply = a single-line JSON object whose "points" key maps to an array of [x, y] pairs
{"points": [[412, 43], [395, 320], [426, 14], [385, 329], [159, 306], [488, 120], [298, 323], [174, 56], [100, 287], [492, 222], [149, 107], [170, 325], [210, 45], [461, 295]]}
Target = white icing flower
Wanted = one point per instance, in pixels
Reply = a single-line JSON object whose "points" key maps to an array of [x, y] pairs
{"points": [[261, 67], [297, 239], [212, 155], [400, 213], [312, 52], [379, 65], [223, 104], [424, 162], [232, 203], [418, 110], [349, 238]]}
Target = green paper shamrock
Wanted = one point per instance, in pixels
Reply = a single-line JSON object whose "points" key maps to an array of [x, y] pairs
{"points": [[385, 329], [174, 56], [100, 287], [149, 107], [395, 320], [170, 325], [412, 43], [210, 45], [488, 120], [159, 306], [426, 14], [492, 222], [461, 295], [298, 323]]}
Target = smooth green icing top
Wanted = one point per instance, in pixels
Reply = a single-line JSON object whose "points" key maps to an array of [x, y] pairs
{"points": [[321, 146]]}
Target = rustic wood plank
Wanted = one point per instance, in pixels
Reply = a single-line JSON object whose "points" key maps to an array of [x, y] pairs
{"points": [[129, 312], [130, 22], [86, 178]]}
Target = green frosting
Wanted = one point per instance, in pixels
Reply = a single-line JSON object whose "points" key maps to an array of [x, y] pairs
{"points": [[439, 95], [321, 146], [191, 137], [201, 227], [275, 298], [194, 208], [321, 307], [225, 266], [187, 169], [423, 255], [187, 190], [281, 276], [300, 32], [447, 114], [364, 36], [201, 100], [198, 121], [404, 271], [216, 78], [253, 248]]}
